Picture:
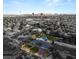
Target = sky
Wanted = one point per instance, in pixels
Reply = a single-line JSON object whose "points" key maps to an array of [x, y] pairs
{"points": [[39, 6]]}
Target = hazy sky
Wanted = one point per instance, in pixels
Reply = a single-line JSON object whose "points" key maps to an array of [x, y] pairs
{"points": [[37, 6]]}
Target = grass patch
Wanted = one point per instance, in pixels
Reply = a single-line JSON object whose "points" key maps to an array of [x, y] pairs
{"points": [[34, 49]]}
